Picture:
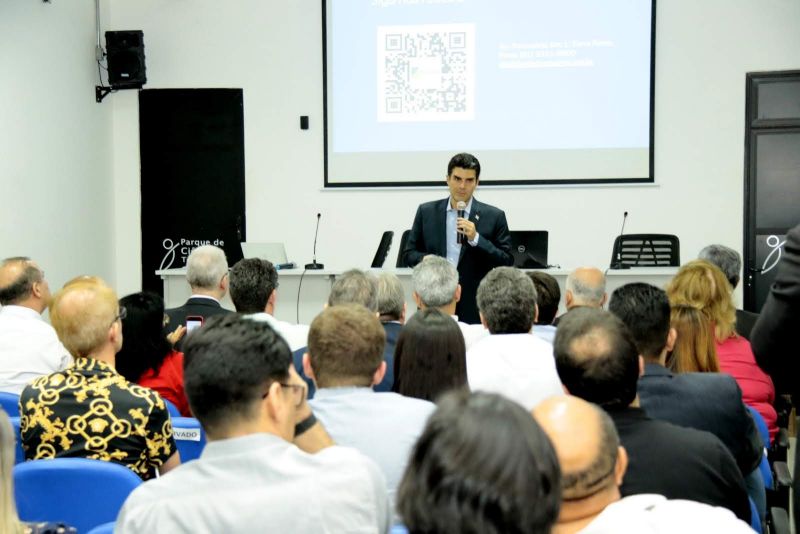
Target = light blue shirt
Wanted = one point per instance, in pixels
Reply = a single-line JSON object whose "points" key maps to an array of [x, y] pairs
{"points": [[453, 248], [382, 426]]}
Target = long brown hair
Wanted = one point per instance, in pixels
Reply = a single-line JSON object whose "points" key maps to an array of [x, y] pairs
{"points": [[695, 350], [703, 285]]}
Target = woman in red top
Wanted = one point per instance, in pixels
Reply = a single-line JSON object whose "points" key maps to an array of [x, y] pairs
{"points": [[702, 285], [147, 357]]}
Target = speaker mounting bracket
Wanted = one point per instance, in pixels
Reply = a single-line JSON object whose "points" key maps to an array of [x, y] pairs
{"points": [[100, 92]]}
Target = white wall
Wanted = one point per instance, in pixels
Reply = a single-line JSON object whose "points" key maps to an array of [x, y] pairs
{"points": [[272, 49], [55, 141]]}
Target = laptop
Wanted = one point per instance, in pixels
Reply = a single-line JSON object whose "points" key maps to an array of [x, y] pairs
{"points": [[529, 248], [274, 252]]}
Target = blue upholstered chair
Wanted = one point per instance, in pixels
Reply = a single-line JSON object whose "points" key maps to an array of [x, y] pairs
{"points": [[19, 454], [171, 408], [79, 492], [189, 437], [10, 403], [105, 528]]}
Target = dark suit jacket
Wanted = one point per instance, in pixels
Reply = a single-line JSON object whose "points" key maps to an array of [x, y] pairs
{"points": [[428, 236], [200, 306], [774, 336], [678, 463], [745, 321], [705, 401], [392, 331]]}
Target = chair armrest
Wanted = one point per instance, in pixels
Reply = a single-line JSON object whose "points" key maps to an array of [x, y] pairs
{"points": [[783, 477], [779, 521]]}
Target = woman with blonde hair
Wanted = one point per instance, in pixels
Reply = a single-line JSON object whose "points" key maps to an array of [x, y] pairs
{"points": [[695, 349], [702, 286]]}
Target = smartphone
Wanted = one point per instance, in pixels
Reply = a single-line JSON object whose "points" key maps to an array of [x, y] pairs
{"points": [[192, 322]]}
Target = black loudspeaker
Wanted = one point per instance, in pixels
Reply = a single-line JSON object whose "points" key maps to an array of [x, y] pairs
{"points": [[125, 52]]}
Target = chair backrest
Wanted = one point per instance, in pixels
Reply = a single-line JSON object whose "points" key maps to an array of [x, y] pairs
{"points": [[105, 528], [10, 403], [403, 239], [79, 492], [383, 249], [647, 250], [19, 453], [763, 431], [171, 408], [189, 437]]}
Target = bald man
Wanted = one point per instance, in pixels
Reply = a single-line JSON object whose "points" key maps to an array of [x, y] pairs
{"points": [[593, 465], [585, 287], [29, 347]]}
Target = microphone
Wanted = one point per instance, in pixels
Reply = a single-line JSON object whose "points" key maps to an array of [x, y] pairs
{"points": [[461, 206], [314, 266], [617, 263]]}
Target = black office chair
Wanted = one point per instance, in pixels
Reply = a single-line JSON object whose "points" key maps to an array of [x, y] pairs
{"points": [[403, 239], [646, 250], [383, 249]]}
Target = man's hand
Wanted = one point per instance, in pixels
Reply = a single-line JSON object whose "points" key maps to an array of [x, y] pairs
{"points": [[466, 227]]}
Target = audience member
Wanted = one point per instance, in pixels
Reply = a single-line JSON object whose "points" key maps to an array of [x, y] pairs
{"points": [[705, 401], [598, 361], [392, 313], [773, 335], [695, 349], [548, 296], [268, 464], [345, 359], [593, 465], [29, 347], [254, 292], [9, 520], [430, 357], [701, 284], [147, 357], [435, 282], [89, 410], [586, 288], [482, 465], [511, 361], [207, 275], [730, 263], [355, 287]]}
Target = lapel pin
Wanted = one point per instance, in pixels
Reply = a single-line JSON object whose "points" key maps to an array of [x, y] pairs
{"points": [[477, 217]]}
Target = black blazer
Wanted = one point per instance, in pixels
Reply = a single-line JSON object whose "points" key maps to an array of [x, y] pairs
{"points": [[199, 306], [678, 463], [429, 236], [705, 401]]}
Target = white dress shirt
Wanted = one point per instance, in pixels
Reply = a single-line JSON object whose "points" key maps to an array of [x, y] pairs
{"points": [[262, 483], [384, 426], [295, 335], [546, 332], [29, 348], [654, 514], [472, 332], [520, 367]]}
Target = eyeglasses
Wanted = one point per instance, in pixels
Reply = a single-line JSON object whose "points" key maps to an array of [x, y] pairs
{"points": [[121, 314], [299, 391]]}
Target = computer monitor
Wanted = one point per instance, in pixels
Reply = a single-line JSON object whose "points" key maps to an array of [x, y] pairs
{"points": [[529, 248], [274, 252]]}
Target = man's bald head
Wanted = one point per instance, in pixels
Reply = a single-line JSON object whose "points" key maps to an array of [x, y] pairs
{"points": [[586, 443], [22, 283], [586, 286]]}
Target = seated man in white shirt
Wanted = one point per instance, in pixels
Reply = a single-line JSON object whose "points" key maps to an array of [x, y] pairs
{"points": [[253, 284], [345, 359], [268, 465], [511, 361], [435, 282], [29, 347], [593, 465]]}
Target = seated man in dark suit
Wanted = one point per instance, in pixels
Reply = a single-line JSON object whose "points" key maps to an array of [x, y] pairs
{"points": [[730, 262], [598, 361], [207, 275], [392, 313], [475, 243], [705, 401]]}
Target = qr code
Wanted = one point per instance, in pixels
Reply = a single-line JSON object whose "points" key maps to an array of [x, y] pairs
{"points": [[426, 72]]}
